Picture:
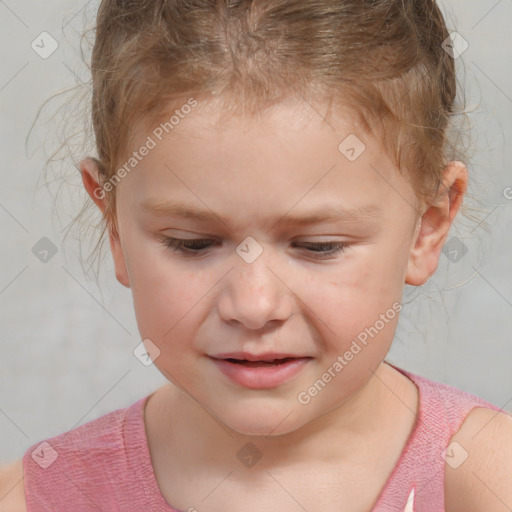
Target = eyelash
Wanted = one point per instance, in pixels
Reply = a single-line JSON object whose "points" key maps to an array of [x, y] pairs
{"points": [[178, 245]]}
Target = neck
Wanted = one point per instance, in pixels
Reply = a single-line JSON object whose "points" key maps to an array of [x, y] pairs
{"points": [[338, 435]]}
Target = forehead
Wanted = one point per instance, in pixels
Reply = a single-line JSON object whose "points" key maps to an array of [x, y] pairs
{"points": [[294, 130], [289, 154]]}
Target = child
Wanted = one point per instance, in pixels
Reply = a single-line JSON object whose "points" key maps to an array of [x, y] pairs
{"points": [[271, 174]]}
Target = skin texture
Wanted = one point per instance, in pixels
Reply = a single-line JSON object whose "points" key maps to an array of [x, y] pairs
{"points": [[255, 173]]}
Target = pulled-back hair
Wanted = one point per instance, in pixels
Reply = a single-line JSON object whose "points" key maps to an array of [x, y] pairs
{"points": [[383, 61]]}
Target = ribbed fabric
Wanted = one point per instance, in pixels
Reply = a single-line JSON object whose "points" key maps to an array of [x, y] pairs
{"points": [[105, 466], [420, 469]]}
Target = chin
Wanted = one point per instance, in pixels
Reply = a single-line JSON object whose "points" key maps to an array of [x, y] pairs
{"points": [[263, 422]]}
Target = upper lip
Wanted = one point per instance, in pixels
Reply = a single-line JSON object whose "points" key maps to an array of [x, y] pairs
{"points": [[266, 356]]}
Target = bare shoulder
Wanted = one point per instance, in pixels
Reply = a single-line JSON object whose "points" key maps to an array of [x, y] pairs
{"points": [[478, 465], [12, 490]]}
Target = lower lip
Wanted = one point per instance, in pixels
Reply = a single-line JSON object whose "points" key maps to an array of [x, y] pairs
{"points": [[261, 377]]}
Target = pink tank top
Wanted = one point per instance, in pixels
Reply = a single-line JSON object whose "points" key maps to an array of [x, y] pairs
{"points": [[104, 465]]}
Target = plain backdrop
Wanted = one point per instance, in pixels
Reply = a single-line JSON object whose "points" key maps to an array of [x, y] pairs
{"points": [[67, 344]]}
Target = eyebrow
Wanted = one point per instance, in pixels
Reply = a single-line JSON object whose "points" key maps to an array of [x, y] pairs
{"points": [[325, 213]]}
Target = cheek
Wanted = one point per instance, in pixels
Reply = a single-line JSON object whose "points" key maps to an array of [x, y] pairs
{"points": [[167, 302], [364, 286], [165, 294], [344, 310], [359, 301]]}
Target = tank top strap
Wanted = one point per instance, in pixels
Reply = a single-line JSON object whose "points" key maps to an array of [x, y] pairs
{"points": [[139, 463], [101, 465], [78, 469], [417, 481]]}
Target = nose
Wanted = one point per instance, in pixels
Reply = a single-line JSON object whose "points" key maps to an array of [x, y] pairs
{"points": [[255, 296]]}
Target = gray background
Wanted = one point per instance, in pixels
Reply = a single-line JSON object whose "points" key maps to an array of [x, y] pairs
{"points": [[66, 344]]}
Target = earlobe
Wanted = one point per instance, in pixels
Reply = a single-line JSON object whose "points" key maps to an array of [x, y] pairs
{"points": [[90, 178], [435, 223]]}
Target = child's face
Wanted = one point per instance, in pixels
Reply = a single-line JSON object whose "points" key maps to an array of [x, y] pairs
{"points": [[252, 178]]}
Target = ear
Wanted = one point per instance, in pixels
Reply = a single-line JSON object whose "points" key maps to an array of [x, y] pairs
{"points": [[434, 225], [90, 177]]}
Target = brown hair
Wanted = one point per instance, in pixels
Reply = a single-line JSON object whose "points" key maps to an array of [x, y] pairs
{"points": [[382, 59]]}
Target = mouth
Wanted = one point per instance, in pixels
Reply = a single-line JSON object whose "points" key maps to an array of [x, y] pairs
{"points": [[270, 358], [263, 371], [256, 364]]}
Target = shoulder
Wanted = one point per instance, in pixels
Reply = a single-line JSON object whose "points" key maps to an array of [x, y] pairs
{"points": [[12, 490], [478, 468]]}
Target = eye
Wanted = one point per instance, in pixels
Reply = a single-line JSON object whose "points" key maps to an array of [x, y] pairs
{"points": [[197, 246], [192, 246], [325, 248]]}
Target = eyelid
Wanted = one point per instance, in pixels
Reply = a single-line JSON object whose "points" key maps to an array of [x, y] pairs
{"points": [[177, 246], [199, 238], [347, 232]]}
